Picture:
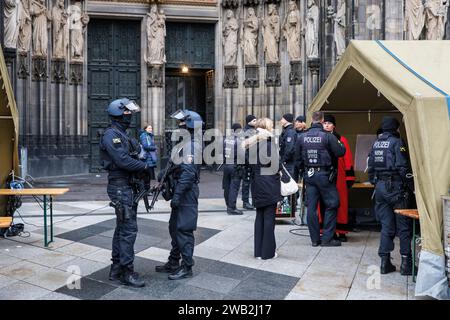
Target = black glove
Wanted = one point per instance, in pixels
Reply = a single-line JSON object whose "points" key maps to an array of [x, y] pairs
{"points": [[175, 203]]}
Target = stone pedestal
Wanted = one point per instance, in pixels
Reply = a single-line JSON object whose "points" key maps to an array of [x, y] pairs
{"points": [[39, 72], [313, 83], [23, 68], [230, 77], [251, 76], [155, 75], [295, 76], [76, 73], [58, 70], [273, 75]]}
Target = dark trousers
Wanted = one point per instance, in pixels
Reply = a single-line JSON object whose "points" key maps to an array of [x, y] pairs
{"points": [[392, 224], [230, 183], [319, 188], [182, 242], [246, 186], [126, 230], [265, 244]]}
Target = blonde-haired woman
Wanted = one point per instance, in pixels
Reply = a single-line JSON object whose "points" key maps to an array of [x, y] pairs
{"points": [[265, 186]]}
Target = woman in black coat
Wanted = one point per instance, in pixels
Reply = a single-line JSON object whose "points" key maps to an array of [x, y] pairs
{"points": [[266, 190]]}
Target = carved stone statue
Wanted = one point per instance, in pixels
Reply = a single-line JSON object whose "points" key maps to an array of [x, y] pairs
{"points": [[11, 23], [312, 30], [250, 41], [59, 19], [436, 18], [24, 40], [292, 31], [339, 29], [414, 19], [230, 42], [40, 25], [78, 21], [271, 34], [156, 34]]}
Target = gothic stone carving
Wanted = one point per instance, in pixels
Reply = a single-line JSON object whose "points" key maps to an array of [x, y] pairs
{"points": [[40, 27], [230, 77], [251, 76], [295, 76], [249, 3], [24, 40], [156, 33], [230, 4], [23, 69], [312, 30], [273, 75], [76, 73], [11, 23], [230, 38], [271, 34], [414, 19], [78, 21], [39, 72], [155, 75], [59, 70]]}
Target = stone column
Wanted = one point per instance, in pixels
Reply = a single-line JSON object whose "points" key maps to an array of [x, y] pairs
{"points": [[313, 79]]}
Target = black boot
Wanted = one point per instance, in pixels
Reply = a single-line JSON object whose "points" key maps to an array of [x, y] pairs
{"points": [[248, 206], [116, 272], [406, 266], [169, 267], [234, 211], [181, 273], [131, 278], [386, 265]]}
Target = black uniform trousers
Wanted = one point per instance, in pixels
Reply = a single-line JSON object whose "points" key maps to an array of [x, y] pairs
{"points": [[230, 183], [246, 185], [126, 230], [387, 195], [265, 244], [319, 188]]}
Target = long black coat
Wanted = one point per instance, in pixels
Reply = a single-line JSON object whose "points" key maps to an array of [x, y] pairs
{"points": [[266, 189]]}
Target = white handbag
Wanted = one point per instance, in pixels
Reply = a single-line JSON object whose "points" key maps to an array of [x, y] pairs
{"points": [[288, 188]]}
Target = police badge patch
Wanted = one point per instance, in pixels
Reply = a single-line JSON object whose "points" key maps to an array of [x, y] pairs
{"points": [[289, 139], [117, 140]]}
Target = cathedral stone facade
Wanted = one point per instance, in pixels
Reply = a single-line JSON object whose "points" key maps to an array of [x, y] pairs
{"points": [[224, 59]]}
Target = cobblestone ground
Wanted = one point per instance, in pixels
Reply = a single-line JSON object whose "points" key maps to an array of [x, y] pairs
{"points": [[224, 264]]}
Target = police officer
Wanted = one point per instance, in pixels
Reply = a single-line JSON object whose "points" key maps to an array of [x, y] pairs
{"points": [[187, 159], [300, 127], [233, 170], [249, 130], [315, 150], [389, 170], [287, 142], [119, 157]]}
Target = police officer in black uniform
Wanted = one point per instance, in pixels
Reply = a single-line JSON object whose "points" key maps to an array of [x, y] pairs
{"points": [[300, 127], [315, 151], [119, 157], [287, 143], [233, 169], [249, 130], [389, 170], [185, 173]]}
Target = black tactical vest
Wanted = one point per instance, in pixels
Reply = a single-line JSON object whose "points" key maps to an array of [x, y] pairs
{"points": [[314, 151], [383, 154]]}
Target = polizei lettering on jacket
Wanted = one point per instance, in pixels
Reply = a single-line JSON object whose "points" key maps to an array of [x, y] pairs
{"points": [[381, 144], [312, 139]]}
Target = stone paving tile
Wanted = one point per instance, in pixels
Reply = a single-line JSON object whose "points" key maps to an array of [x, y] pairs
{"points": [[250, 289], [98, 241], [6, 260], [284, 266], [57, 296], [157, 254], [23, 270], [57, 243], [242, 259], [188, 292], [23, 251], [158, 286], [126, 294], [321, 289], [229, 270], [206, 251], [81, 266], [78, 249], [102, 255], [77, 234], [6, 281], [298, 296], [22, 291], [214, 282], [56, 231], [50, 280], [144, 242], [51, 258], [90, 289]]}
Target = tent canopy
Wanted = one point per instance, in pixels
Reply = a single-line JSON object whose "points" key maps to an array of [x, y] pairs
{"points": [[407, 79], [9, 130]]}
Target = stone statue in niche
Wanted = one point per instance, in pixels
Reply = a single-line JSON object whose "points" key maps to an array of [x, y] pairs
{"points": [[78, 21], [414, 19], [11, 23], [292, 31], [156, 34], [40, 27], [250, 41], [24, 40], [339, 29], [230, 38], [59, 21], [271, 34], [312, 30], [435, 18]]}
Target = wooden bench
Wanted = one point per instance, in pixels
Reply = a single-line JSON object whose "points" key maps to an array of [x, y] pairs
{"points": [[47, 194], [413, 214], [5, 222]]}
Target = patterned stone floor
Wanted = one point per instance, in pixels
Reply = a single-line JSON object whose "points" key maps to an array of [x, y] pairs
{"points": [[225, 267]]}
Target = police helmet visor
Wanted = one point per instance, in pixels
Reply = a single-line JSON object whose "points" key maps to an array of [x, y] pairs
{"points": [[179, 115], [132, 106]]}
